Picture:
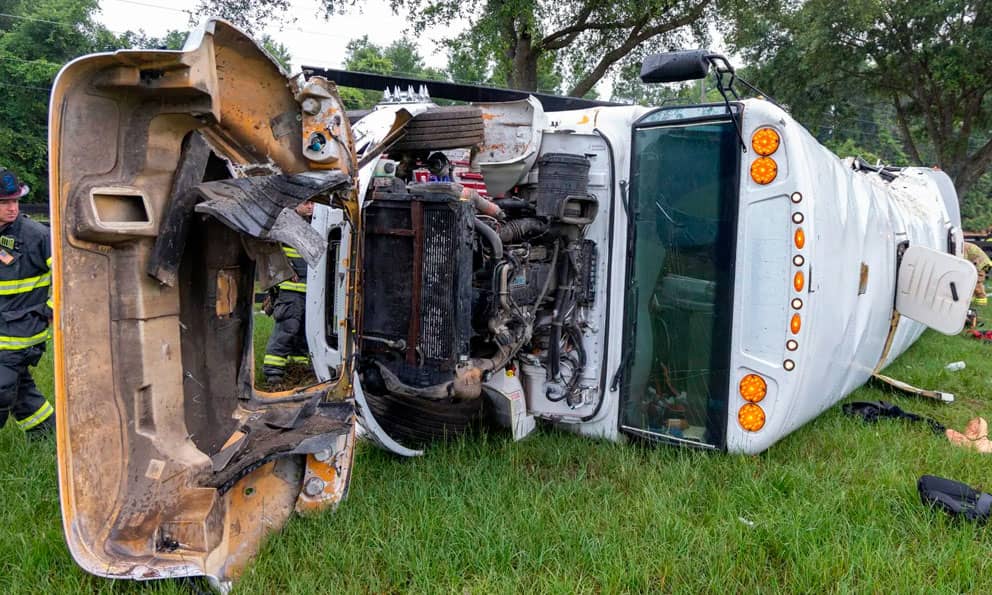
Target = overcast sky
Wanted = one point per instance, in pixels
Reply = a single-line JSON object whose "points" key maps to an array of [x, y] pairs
{"points": [[311, 40]]}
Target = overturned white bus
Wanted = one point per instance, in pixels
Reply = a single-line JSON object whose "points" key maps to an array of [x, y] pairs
{"points": [[703, 275]]}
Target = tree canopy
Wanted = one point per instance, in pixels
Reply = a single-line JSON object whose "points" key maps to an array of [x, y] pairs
{"points": [[36, 39], [400, 58], [920, 67], [514, 42]]}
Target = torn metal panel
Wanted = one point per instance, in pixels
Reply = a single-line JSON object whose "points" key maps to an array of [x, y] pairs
{"points": [[262, 207], [164, 262]]}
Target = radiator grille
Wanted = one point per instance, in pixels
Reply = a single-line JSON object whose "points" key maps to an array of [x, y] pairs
{"points": [[437, 300]]}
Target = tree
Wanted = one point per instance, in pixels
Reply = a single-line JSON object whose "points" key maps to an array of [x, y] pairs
{"points": [[923, 65], [400, 58], [584, 39], [36, 39]]}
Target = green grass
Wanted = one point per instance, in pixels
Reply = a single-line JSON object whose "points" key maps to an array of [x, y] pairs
{"points": [[831, 508]]}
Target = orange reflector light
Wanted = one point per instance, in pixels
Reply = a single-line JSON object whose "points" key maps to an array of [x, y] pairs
{"points": [[751, 417], [765, 141], [753, 388], [799, 281], [764, 170], [795, 324], [800, 238]]}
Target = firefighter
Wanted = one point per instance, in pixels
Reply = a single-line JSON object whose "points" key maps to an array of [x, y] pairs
{"points": [[288, 341], [25, 310], [982, 263]]}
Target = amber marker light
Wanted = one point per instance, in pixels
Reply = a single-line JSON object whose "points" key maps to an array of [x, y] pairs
{"points": [[752, 388], [751, 417], [795, 324], [765, 141], [799, 238], [764, 170], [799, 281]]}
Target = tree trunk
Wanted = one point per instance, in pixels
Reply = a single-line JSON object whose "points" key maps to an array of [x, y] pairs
{"points": [[523, 57]]}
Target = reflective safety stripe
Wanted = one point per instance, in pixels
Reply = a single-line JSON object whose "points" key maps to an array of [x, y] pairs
{"points": [[48, 262], [43, 413], [299, 359], [25, 285], [11, 343], [293, 286], [291, 252], [981, 301], [50, 304], [274, 360]]}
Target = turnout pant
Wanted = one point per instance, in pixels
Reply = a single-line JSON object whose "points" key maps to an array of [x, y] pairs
{"points": [[288, 341], [18, 394], [980, 298]]}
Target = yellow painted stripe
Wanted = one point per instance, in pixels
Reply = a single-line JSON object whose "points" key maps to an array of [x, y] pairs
{"points": [[11, 343], [43, 413], [293, 286]]}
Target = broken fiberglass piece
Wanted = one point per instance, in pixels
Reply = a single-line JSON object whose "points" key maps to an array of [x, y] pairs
{"points": [[262, 207]]}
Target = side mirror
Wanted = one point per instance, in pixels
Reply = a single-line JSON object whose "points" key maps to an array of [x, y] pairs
{"points": [[673, 67]]}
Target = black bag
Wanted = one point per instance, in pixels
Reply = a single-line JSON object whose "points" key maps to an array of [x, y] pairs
{"points": [[872, 411], [955, 498]]}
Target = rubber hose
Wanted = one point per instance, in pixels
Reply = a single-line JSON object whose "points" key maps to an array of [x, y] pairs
{"points": [[492, 237], [518, 229]]}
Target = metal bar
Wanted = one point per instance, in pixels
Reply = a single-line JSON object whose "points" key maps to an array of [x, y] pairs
{"points": [[413, 332], [446, 90]]}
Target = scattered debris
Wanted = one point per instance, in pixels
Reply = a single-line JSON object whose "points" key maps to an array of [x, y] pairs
{"points": [[955, 498], [954, 366], [976, 436], [871, 411]]}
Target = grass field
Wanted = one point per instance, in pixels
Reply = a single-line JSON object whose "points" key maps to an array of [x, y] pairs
{"points": [[833, 508]]}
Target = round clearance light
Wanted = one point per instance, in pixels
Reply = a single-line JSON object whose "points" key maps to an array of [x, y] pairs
{"points": [[796, 197], [795, 324], [797, 304], [799, 238], [765, 141], [751, 417], [792, 345], [789, 365], [799, 281], [752, 388], [798, 218], [798, 260], [764, 170]]}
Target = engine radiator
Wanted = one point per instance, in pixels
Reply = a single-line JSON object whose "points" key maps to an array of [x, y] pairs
{"points": [[417, 282]]}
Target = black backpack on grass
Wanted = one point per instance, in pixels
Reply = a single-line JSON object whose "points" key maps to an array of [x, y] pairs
{"points": [[955, 498]]}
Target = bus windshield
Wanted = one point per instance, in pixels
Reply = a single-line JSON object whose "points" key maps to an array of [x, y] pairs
{"points": [[684, 195]]}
